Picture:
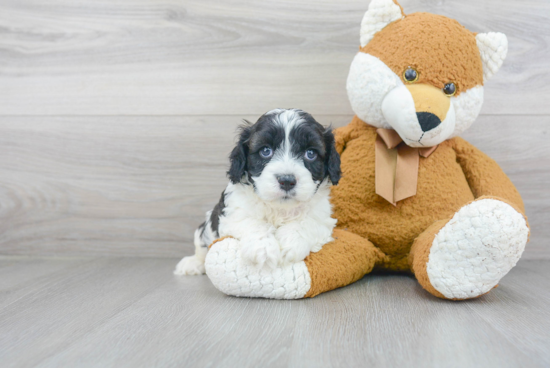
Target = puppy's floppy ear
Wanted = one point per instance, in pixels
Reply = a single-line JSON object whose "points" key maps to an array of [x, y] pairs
{"points": [[238, 156], [332, 158]]}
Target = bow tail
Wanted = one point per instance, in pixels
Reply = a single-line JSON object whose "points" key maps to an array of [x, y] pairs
{"points": [[406, 178], [396, 171], [385, 165]]}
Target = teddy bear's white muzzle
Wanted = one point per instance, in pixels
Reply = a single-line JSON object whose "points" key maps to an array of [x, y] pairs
{"points": [[416, 128]]}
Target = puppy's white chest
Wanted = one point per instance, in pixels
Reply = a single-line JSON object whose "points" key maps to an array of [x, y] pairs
{"points": [[281, 217]]}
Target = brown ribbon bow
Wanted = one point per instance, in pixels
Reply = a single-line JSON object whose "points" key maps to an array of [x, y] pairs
{"points": [[396, 166]]}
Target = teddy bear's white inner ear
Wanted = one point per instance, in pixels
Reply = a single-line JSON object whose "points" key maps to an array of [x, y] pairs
{"points": [[380, 14], [493, 47]]}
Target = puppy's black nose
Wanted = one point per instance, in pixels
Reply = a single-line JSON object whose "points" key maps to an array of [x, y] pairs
{"points": [[427, 120], [286, 182]]}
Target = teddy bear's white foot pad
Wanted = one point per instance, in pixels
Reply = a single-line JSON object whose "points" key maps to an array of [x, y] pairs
{"points": [[233, 276], [476, 248]]}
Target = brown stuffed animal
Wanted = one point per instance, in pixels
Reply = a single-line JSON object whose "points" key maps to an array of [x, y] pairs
{"points": [[413, 196]]}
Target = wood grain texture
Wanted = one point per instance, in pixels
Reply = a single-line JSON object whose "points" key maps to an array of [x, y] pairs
{"points": [[138, 186], [134, 313], [70, 303], [136, 181], [173, 57], [116, 119], [15, 272]]}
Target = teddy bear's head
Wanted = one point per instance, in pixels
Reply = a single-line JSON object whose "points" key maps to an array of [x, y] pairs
{"points": [[420, 74]]}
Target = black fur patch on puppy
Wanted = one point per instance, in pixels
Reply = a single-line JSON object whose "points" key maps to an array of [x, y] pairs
{"points": [[217, 212], [237, 157], [310, 135], [332, 160]]}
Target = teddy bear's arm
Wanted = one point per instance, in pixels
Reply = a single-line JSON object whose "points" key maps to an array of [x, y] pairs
{"points": [[341, 262], [346, 133], [484, 175], [341, 137]]}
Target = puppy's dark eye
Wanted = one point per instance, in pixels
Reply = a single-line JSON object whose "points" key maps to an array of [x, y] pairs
{"points": [[310, 155], [410, 75], [449, 89], [266, 152]]}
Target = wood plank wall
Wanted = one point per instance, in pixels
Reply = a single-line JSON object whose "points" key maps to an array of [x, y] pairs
{"points": [[116, 117]]}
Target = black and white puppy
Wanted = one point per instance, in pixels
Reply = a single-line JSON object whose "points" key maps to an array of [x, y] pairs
{"points": [[277, 201]]}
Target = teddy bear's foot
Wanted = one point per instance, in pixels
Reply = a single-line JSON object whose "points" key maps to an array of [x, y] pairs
{"points": [[467, 256]]}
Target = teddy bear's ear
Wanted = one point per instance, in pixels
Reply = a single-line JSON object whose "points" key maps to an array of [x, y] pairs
{"points": [[380, 14], [493, 47]]}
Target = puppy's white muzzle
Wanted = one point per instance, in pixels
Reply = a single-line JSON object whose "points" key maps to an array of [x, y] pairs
{"points": [[269, 188]]}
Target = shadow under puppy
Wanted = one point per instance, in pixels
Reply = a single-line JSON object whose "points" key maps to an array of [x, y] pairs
{"points": [[277, 201]]}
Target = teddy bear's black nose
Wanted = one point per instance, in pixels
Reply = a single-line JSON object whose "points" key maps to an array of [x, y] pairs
{"points": [[427, 120]]}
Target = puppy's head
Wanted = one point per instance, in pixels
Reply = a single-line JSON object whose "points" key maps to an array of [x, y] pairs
{"points": [[286, 155]]}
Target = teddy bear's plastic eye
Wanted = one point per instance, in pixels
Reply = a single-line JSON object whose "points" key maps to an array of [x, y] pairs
{"points": [[449, 89], [410, 75]]}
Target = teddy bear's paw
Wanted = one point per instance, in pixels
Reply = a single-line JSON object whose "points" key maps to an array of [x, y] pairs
{"points": [[232, 275], [476, 248], [190, 266], [261, 252]]}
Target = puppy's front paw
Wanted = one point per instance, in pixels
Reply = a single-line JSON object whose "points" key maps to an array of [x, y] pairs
{"points": [[190, 266], [294, 251], [262, 252]]}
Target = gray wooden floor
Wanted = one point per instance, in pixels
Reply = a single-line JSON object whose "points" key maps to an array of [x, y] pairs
{"points": [[116, 119], [132, 312]]}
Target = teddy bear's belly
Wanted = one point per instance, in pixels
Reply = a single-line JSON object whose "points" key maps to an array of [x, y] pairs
{"points": [[442, 189]]}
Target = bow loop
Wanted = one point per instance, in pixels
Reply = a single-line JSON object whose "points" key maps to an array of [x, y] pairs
{"points": [[390, 137]]}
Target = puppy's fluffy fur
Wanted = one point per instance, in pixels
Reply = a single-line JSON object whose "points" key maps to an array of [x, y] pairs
{"points": [[277, 201]]}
